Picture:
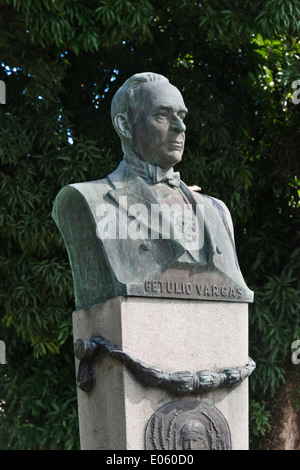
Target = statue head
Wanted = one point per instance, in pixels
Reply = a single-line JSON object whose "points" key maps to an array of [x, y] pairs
{"points": [[148, 114], [193, 436]]}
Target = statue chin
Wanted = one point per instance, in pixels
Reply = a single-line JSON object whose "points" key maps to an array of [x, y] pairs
{"points": [[164, 161]]}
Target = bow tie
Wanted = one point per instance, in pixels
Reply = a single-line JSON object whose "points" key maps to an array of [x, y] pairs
{"points": [[173, 179], [153, 173]]}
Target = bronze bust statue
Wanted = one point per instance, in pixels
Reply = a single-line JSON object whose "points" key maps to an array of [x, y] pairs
{"points": [[141, 231]]}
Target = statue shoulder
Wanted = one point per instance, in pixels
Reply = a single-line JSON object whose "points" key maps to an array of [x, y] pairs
{"points": [[220, 205], [78, 197], [85, 197], [92, 189]]}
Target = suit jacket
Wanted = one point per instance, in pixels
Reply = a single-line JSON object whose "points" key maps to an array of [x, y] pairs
{"points": [[107, 266]]}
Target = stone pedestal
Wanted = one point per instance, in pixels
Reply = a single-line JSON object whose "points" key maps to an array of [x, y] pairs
{"points": [[173, 335]]}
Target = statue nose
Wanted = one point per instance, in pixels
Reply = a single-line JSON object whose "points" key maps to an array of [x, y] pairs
{"points": [[188, 444], [178, 125]]}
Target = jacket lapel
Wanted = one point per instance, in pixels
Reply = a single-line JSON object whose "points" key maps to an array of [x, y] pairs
{"points": [[208, 233], [135, 198]]}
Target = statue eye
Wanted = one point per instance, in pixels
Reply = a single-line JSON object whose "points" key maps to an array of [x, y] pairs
{"points": [[161, 116]]}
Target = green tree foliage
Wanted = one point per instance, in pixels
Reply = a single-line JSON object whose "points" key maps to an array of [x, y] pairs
{"points": [[62, 61]]}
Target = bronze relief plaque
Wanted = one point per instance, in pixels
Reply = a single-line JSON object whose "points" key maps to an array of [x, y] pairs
{"points": [[187, 425]]}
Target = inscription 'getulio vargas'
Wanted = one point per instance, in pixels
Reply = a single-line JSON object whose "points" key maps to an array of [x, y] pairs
{"points": [[188, 288]]}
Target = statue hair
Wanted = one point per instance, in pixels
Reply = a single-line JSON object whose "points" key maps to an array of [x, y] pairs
{"points": [[126, 100]]}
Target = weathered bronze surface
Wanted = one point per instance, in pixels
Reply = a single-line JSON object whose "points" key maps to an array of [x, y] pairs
{"points": [[179, 383], [187, 425], [142, 231]]}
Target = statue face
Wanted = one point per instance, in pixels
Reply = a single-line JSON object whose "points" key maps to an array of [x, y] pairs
{"points": [[192, 441], [193, 436], [158, 134]]}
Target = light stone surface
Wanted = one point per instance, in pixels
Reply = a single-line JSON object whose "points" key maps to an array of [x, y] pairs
{"points": [[174, 335]]}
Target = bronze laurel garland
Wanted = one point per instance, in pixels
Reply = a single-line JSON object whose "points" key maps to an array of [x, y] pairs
{"points": [[180, 383]]}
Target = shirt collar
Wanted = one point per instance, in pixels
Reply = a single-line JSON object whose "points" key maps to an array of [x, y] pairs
{"points": [[153, 173]]}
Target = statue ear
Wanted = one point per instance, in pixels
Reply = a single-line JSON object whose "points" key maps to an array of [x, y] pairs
{"points": [[123, 126]]}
